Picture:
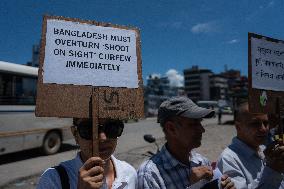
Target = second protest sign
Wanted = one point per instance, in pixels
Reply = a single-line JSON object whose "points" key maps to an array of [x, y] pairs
{"points": [[266, 73]]}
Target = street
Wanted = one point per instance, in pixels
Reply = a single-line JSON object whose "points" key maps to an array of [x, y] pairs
{"points": [[22, 170]]}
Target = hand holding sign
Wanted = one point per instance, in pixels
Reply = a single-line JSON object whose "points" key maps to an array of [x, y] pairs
{"points": [[274, 155]]}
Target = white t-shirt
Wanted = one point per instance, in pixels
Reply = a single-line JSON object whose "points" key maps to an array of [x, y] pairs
{"points": [[126, 176]]}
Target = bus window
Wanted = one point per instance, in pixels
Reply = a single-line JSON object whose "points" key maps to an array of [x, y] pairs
{"points": [[17, 90]]}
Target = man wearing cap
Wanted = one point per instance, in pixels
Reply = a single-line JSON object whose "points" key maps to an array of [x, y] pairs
{"points": [[176, 165], [245, 160]]}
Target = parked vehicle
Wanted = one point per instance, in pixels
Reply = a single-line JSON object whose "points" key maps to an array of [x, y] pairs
{"points": [[224, 106], [216, 105], [226, 110], [209, 105], [19, 128]]}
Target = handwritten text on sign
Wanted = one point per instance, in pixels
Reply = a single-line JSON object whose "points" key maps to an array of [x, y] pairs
{"points": [[267, 60], [84, 54]]}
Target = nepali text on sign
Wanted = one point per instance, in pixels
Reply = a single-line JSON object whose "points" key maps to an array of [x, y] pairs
{"points": [[267, 60]]}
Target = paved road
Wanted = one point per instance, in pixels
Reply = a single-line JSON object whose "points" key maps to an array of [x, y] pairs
{"points": [[20, 171]]}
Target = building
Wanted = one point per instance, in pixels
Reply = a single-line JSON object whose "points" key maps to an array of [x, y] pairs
{"points": [[218, 87], [237, 84], [197, 83], [157, 90], [35, 56], [203, 84]]}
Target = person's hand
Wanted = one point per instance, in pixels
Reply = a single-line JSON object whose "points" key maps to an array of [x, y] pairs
{"points": [[91, 174], [274, 155], [199, 173], [226, 182]]}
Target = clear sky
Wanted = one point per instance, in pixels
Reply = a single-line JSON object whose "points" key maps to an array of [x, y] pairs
{"points": [[175, 34]]}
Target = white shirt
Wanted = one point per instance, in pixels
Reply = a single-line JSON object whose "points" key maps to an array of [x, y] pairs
{"points": [[126, 176]]}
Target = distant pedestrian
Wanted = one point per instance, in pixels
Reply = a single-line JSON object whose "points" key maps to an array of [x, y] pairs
{"points": [[220, 116]]}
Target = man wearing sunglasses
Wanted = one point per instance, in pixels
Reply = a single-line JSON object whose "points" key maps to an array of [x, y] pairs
{"points": [[177, 165], [244, 160], [86, 172]]}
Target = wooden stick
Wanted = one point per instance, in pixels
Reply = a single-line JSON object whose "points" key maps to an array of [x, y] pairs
{"points": [[95, 116], [280, 126]]}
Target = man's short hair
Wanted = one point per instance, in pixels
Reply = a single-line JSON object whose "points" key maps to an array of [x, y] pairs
{"points": [[241, 110]]}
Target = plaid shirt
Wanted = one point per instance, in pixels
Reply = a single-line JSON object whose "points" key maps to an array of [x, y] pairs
{"points": [[163, 171]]}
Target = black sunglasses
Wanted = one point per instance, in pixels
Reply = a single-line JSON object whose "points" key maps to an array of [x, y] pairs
{"points": [[112, 129]]}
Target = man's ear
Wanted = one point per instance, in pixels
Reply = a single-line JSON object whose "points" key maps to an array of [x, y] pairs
{"points": [[170, 128], [238, 125]]}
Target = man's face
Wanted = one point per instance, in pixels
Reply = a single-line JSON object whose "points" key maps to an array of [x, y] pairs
{"points": [[189, 132], [253, 129]]}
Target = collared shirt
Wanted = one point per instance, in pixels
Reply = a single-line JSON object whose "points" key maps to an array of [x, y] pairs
{"points": [[126, 176], [270, 137], [164, 171], [246, 168]]}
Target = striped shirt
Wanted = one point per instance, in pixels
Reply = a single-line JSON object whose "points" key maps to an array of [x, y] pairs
{"points": [[163, 171]]}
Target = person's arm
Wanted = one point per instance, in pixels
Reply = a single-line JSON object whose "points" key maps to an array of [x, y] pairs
{"points": [[230, 168], [49, 179], [148, 180], [263, 181]]}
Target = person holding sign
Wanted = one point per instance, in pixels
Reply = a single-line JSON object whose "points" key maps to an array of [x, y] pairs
{"points": [[86, 172], [245, 160], [177, 165]]}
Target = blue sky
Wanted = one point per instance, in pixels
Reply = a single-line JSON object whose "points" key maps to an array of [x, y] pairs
{"points": [[175, 34]]}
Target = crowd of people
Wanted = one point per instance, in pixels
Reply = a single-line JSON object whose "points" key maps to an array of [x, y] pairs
{"points": [[251, 161]]}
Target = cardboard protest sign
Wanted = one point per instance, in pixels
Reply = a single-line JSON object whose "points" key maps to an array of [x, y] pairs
{"points": [[266, 73], [86, 54], [81, 60], [89, 70]]}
